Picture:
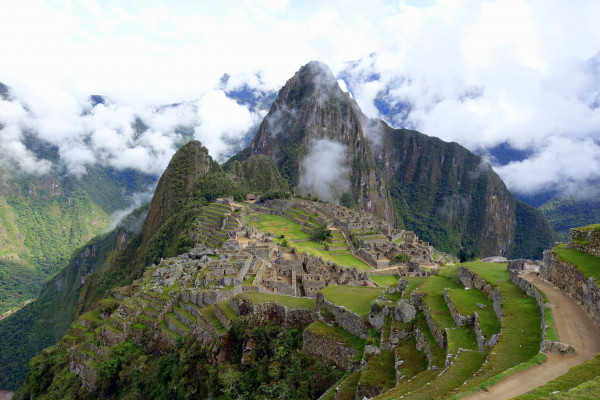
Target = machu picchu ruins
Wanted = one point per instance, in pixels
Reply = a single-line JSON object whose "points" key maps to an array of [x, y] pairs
{"points": [[403, 322]]}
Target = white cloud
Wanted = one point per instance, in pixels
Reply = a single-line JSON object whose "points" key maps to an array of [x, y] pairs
{"points": [[325, 170], [479, 73]]}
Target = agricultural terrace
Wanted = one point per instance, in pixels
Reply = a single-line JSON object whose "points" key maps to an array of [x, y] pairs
{"points": [[302, 241], [354, 298], [587, 264], [288, 301], [521, 327], [467, 302], [385, 280]]}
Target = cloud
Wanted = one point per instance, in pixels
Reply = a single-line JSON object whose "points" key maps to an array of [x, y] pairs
{"points": [[478, 73], [325, 170]]}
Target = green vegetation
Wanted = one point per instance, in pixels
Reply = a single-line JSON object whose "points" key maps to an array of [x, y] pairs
{"points": [[551, 333], [461, 338], [587, 264], [578, 375], [288, 301], [276, 369], [521, 327], [380, 371], [279, 225], [385, 280], [292, 231], [19, 283], [354, 298], [433, 288], [592, 227], [415, 361], [400, 258], [338, 334], [348, 388], [466, 302]]}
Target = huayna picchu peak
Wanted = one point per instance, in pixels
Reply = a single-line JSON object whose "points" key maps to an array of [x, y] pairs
{"points": [[323, 261], [326, 147]]}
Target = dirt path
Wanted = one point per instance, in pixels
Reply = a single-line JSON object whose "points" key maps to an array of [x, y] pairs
{"points": [[573, 326]]}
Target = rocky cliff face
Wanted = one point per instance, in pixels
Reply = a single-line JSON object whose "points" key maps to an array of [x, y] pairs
{"points": [[315, 134], [322, 142]]}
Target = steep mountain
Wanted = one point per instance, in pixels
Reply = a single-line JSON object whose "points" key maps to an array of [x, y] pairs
{"points": [[315, 134], [191, 180], [41, 323], [325, 146], [43, 219], [566, 212]]}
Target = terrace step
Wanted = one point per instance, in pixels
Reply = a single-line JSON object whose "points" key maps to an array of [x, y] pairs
{"points": [[176, 325]]}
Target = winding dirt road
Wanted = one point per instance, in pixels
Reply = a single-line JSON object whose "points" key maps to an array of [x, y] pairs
{"points": [[573, 326]]}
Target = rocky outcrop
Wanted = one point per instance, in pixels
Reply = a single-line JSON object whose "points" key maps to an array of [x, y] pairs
{"points": [[328, 349], [569, 279]]}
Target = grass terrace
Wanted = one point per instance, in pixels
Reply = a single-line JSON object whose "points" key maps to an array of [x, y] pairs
{"points": [[354, 298], [587, 264], [209, 315], [521, 331], [279, 225], [466, 300], [461, 338], [463, 367], [385, 280], [380, 371], [592, 227], [348, 388], [338, 334], [433, 288], [288, 301], [413, 283]]}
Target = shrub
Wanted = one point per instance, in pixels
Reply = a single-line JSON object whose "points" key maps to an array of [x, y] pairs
{"points": [[400, 258], [376, 307]]}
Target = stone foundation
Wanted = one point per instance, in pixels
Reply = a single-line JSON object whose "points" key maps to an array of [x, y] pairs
{"points": [[348, 320]]}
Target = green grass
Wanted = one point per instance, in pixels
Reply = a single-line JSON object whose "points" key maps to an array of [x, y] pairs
{"points": [[551, 333], [338, 334], [348, 388], [433, 288], [413, 283], [209, 315], [576, 376], [461, 338], [464, 366], [330, 393], [93, 316], [587, 264], [292, 231], [279, 225], [580, 242], [354, 298], [489, 272], [176, 321], [466, 302], [415, 361], [385, 280], [415, 383], [592, 227], [137, 325], [380, 371], [289, 301], [224, 307], [521, 331], [248, 279]]}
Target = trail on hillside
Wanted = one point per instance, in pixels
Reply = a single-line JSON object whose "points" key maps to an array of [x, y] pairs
{"points": [[573, 326], [13, 311]]}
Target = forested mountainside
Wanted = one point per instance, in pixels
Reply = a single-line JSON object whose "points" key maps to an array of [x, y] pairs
{"points": [[191, 180], [325, 146]]}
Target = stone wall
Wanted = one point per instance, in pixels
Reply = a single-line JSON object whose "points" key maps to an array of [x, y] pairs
{"points": [[348, 320], [328, 349], [290, 317], [79, 365], [585, 240], [459, 319], [530, 289], [471, 280], [569, 279], [439, 334]]}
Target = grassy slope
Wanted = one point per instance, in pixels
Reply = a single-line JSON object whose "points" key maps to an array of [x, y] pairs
{"points": [[292, 231], [385, 280], [521, 331], [354, 298], [588, 264], [289, 301]]}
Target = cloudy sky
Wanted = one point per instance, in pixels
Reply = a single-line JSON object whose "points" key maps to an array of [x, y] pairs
{"points": [[477, 72]]}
